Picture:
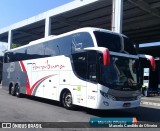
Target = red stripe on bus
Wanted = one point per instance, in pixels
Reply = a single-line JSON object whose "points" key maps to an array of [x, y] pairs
{"points": [[32, 88], [29, 89], [23, 67]]}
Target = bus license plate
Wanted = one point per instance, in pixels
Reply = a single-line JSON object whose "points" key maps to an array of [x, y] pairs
{"points": [[126, 104]]}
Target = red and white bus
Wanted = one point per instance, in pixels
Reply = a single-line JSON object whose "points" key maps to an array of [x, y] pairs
{"points": [[89, 67]]}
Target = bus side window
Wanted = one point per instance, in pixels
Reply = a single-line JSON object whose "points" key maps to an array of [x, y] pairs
{"points": [[36, 51], [60, 46], [64, 45], [51, 48], [80, 64], [80, 41]]}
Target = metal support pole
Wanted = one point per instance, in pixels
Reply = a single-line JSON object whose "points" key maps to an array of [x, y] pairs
{"points": [[47, 26], [9, 39], [117, 15]]}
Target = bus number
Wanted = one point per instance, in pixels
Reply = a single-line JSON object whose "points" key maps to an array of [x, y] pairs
{"points": [[91, 97]]}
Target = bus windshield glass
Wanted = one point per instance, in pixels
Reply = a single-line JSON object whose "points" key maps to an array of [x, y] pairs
{"points": [[108, 40], [128, 46], [114, 42], [121, 74]]}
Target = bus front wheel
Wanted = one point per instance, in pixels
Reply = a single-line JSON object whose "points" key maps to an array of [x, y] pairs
{"points": [[67, 100]]}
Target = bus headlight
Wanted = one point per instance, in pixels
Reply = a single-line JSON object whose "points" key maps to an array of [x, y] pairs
{"points": [[108, 96]]}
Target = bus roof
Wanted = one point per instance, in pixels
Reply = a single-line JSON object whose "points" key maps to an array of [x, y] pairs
{"points": [[85, 29]]}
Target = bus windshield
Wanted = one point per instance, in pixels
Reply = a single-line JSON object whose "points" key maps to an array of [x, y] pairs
{"points": [[108, 40], [121, 74], [114, 42], [128, 46]]}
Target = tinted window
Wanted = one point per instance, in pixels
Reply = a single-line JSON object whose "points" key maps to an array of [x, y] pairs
{"points": [[36, 51], [16, 55], [80, 64], [19, 54], [64, 45], [92, 66], [108, 40], [81, 41], [128, 46], [85, 65], [121, 73], [51, 48], [60, 46]]}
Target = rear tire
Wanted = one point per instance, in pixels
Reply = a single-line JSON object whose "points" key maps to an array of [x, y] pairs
{"points": [[18, 94], [67, 100], [13, 91]]}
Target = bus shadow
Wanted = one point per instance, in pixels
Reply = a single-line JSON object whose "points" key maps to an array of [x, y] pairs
{"points": [[42, 100]]}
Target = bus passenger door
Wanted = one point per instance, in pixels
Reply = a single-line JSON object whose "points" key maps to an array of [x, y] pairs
{"points": [[51, 85], [78, 78], [92, 79]]}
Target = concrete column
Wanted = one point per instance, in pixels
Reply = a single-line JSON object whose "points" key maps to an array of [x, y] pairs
{"points": [[10, 39], [47, 26], [117, 15]]}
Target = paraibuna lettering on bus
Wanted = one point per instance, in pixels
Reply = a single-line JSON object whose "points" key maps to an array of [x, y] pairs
{"points": [[46, 66]]}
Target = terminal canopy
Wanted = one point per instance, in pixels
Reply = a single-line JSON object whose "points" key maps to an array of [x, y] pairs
{"points": [[141, 20]]}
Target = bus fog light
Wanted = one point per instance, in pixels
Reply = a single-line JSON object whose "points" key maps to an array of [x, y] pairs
{"points": [[108, 96], [105, 103]]}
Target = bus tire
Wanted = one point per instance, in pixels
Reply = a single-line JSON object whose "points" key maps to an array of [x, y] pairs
{"points": [[13, 92], [18, 94], [67, 100]]}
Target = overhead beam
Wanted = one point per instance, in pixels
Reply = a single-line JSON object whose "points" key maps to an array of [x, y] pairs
{"points": [[139, 25], [155, 5], [145, 7], [67, 22], [132, 19], [92, 14], [27, 33]]}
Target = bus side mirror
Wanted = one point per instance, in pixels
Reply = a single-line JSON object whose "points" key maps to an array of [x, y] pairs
{"points": [[106, 57], [151, 60]]}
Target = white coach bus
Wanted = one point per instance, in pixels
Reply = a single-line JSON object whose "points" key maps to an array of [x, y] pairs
{"points": [[89, 67]]}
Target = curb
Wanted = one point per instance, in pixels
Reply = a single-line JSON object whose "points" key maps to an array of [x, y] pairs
{"points": [[150, 103]]}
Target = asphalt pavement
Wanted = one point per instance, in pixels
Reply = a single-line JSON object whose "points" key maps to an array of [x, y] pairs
{"points": [[28, 109]]}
